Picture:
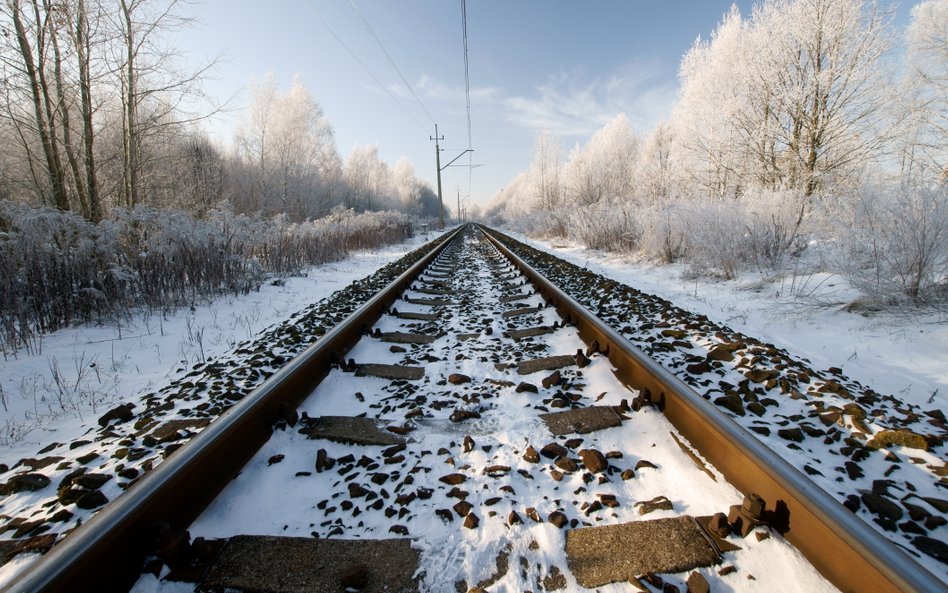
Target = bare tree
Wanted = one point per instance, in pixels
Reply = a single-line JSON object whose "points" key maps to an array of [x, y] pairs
{"points": [[31, 33]]}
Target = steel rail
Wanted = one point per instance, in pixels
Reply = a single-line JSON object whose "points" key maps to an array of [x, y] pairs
{"points": [[107, 553], [844, 549]]}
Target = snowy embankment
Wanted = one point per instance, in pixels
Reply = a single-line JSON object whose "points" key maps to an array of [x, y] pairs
{"points": [[902, 353], [81, 372]]}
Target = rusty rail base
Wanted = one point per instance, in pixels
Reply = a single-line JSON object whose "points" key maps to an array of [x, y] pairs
{"points": [[107, 553], [844, 549]]}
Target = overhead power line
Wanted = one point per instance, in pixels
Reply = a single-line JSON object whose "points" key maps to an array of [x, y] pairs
{"points": [[467, 73], [374, 77], [389, 57], [467, 94]]}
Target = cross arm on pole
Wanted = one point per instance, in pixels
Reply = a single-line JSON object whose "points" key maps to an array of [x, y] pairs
{"points": [[456, 158]]}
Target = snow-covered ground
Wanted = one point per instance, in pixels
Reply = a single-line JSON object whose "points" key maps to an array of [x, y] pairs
{"points": [[899, 353], [58, 394], [83, 371]]}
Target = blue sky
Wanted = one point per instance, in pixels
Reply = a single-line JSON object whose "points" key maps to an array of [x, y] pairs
{"points": [[567, 67]]}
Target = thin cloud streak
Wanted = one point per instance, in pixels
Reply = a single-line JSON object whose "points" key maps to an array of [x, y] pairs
{"points": [[568, 104]]}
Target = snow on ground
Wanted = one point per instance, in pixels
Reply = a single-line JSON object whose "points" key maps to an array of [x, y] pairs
{"points": [[278, 494], [83, 371], [902, 354]]}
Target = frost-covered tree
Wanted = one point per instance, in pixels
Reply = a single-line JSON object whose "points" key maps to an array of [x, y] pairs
{"points": [[819, 63], [544, 173], [368, 178], [795, 97], [713, 93], [656, 168], [927, 90], [289, 145], [604, 167]]}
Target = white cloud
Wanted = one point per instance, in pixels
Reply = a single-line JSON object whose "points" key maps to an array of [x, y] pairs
{"points": [[569, 103]]}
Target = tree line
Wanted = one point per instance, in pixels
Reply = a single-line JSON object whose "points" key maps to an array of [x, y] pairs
{"points": [[99, 111], [807, 128]]}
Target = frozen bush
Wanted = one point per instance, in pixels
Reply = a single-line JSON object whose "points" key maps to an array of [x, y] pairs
{"points": [[717, 243], [775, 220], [57, 268], [611, 227], [663, 232], [896, 244]]}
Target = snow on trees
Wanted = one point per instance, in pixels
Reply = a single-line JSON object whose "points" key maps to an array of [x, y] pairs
{"points": [[790, 133]]}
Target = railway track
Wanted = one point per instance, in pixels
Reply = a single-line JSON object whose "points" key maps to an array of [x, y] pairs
{"points": [[473, 422]]}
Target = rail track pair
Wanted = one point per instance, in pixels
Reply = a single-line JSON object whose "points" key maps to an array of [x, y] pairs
{"points": [[108, 552]]}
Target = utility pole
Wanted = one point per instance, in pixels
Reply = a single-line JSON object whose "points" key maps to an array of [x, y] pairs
{"points": [[459, 205], [437, 139]]}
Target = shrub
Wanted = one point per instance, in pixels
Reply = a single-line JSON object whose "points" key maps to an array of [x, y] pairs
{"points": [[57, 268], [896, 244]]}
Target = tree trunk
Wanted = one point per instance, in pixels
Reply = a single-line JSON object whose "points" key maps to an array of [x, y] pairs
{"points": [[131, 124], [63, 109], [43, 126], [85, 100]]}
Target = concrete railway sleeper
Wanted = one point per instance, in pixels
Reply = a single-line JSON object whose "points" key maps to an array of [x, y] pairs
{"points": [[473, 428]]}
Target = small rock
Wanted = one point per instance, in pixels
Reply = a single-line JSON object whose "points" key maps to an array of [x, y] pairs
{"points": [[461, 415], [533, 514], [732, 402], [31, 482], [463, 508], [659, 503], [552, 380], [453, 479], [762, 375], [553, 450], [496, 471], [557, 518], [791, 434], [882, 506], [645, 463], [627, 474], [724, 352], [556, 475], [91, 481], [91, 500], [445, 515], [531, 455], [697, 583], [527, 387], [566, 464], [594, 460], [323, 461], [903, 438], [122, 413], [513, 518], [458, 379], [935, 548], [356, 491], [468, 444], [457, 493], [471, 521], [275, 459]]}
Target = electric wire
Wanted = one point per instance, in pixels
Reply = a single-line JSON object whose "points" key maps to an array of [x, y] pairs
{"points": [[467, 71], [467, 93], [374, 77], [389, 57]]}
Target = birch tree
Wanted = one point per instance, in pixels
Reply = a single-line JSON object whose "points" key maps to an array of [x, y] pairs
{"points": [[927, 90]]}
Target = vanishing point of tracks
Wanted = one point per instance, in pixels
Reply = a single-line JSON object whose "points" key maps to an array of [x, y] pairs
{"points": [[473, 427]]}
